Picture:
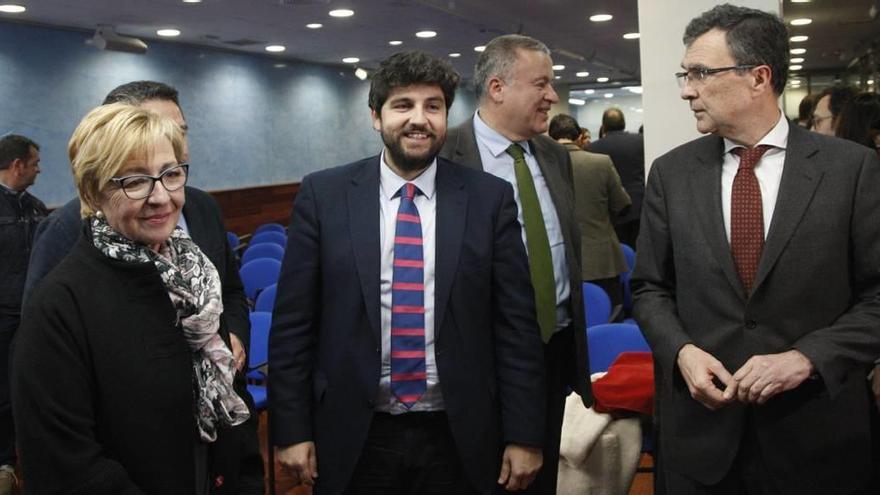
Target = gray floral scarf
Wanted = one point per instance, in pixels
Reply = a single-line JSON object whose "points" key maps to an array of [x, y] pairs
{"points": [[194, 287]]}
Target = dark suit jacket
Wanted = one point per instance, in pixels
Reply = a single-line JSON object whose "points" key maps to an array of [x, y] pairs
{"points": [[555, 164], [57, 234], [325, 343], [627, 151], [817, 291]]}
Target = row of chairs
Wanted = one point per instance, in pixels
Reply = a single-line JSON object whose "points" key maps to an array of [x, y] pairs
{"points": [[597, 304]]}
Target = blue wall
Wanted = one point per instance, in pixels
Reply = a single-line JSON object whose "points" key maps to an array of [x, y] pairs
{"points": [[251, 123]]}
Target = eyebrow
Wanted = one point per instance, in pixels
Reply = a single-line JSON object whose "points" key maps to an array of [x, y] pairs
{"points": [[142, 169]]}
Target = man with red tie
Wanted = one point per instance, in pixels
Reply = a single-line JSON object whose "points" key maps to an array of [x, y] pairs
{"points": [[404, 355], [757, 282]]}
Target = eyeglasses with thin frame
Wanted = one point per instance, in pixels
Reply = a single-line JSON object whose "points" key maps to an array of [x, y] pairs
{"points": [[698, 75], [141, 186]]}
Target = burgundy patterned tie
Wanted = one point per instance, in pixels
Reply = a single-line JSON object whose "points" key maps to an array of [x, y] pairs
{"points": [[747, 216]]}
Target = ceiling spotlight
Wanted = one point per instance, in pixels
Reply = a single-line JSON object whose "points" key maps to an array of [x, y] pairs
{"points": [[602, 79], [582, 74], [608, 95], [395, 42], [275, 48], [589, 91], [479, 48], [798, 51], [426, 34], [631, 36], [341, 13], [870, 81], [601, 17], [12, 8], [455, 55], [168, 33], [799, 38], [351, 60], [634, 89], [795, 67], [557, 77], [796, 60], [801, 22], [559, 67], [801, 1], [314, 25], [360, 73], [576, 101], [192, 1]]}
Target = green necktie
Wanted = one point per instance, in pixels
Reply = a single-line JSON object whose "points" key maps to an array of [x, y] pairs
{"points": [[540, 261]]}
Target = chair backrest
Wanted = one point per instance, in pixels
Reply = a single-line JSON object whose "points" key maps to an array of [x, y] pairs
{"points": [[276, 237], [233, 239], [263, 250], [261, 322], [597, 304], [270, 227], [259, 274], [266, 299], [630, 255], [606, 342]]}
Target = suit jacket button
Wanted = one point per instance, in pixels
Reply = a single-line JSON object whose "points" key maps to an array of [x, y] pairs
{"points": [[751, 324]]}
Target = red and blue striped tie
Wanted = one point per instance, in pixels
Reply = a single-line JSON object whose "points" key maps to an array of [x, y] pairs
{"points": [[408, 377]]}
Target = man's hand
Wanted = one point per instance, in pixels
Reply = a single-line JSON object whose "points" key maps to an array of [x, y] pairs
{"points": [[519, 466], [875, 385], [300, 458], [765, 376], [238, 353], [699, 370]]}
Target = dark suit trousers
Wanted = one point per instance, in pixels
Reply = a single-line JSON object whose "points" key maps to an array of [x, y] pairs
{"points": [[8, 325], [558, 362]]}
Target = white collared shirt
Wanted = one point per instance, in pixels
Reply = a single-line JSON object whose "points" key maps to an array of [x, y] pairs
{"points": [[768, 170], [426, 203], [493, 153]]}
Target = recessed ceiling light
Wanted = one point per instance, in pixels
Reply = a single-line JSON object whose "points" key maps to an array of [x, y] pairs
{"points": [[12, 8], [582, 74], [576, 101], [639, 110], [801, 22], [631, 36], [589, 91], [426, 34], [395, 42], [351, 60], [634, 89], [314, 25], [280, 65], [870, 81], [168, 33], [799, 38], [601, 17], [796, 60], [275, 48], [479, 48], [801, 1], [795, 67], [341, 13], [192, 1], [608, 95], [455, 55], [557, 77], [602, 79], [360, 73], [558, 67], [798, 51]]}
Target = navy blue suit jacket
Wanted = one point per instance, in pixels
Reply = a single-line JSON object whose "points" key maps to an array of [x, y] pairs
{"points": [[325, 344]]}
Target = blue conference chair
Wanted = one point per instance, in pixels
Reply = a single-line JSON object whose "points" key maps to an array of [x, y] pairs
{"points": [[266, 299], [263, 250], [233, 239], [597, 304], [258, 274], [630, 256], [270, 227], [276, 237], [261, 322]]}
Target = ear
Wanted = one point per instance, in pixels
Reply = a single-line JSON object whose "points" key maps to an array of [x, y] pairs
{"points": [[17, 166], [495, 89], [763, 78], [377, 120]]}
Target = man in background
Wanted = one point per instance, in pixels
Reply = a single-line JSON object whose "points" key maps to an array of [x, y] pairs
{"points": [[829, 105], [20, 213]]}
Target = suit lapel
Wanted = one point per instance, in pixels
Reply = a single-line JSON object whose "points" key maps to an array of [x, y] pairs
{"points": [[451, 219], [706, 186], [194, 224], [800, 178], [363, 212], [466, 151]]}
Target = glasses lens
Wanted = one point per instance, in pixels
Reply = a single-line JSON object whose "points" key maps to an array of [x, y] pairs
{"points": [[174, 178], [137, 187]]}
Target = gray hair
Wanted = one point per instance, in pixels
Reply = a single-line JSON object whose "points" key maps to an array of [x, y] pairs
{"points": [[499, 58]]}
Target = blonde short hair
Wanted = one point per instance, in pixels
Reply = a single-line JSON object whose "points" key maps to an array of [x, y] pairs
{"points": [[107, 138]]}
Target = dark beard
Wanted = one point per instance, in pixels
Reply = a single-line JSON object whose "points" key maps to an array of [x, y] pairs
{"points": [[409, 163]]}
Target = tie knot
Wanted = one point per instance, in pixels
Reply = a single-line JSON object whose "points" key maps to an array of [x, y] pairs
{"points": [[748, 157], [516, 151], [408, 191]]}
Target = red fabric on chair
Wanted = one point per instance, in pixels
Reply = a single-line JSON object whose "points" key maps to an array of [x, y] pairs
{"points": [[628, 386]]}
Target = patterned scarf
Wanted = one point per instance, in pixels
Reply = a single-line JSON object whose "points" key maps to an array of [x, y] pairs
{"points": [[194, 287]]}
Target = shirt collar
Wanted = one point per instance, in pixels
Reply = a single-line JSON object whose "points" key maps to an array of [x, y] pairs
{"points": [[390, 183], [8, 189], [493, 140], [777, 137]]}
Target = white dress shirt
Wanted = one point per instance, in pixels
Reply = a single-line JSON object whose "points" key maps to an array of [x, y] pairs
{"points": [[493, 153], [768, 170], [426, 203]]}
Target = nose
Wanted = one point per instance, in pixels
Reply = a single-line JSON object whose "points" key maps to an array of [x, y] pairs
{"points": [[687, 91], [551, 96], [418, 115], [160, 195]]}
